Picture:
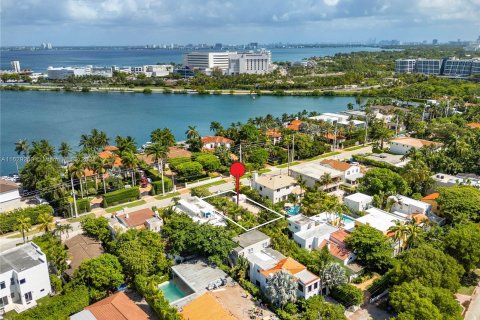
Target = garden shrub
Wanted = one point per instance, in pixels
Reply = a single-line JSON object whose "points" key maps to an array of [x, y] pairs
{"points": [[347, 294], [121, 196], [157, 185], [8, 220]]}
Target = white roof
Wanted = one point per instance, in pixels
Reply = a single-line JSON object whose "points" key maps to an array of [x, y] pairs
{"points": [[319, 231], [359, 197], [379, 219], [300, 219], [315, 170], [410, 201], [196, 205], [274, 182], [265, 259], [306, 276]]}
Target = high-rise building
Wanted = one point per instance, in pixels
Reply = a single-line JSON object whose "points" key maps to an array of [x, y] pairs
{"points": [[15, 66], [428, 66], [457, 68], [207, 61], [475, 67], [435, 41], [405, 65]]}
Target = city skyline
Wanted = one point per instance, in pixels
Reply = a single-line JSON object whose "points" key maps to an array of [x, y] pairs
{"points": [[135, 22]]}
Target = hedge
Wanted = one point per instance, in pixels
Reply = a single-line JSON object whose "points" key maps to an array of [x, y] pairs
{"points": [[190, 169], [348, 295], [209, 162], [173, 163], [375, 163], [157, 185], [121, 196], [8, 220], [83, 206], [54, 308]]}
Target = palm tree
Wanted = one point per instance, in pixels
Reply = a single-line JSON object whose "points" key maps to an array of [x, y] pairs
{"points": [[326, 179], [413, 231], [159, 153], [192, 132], [42, 148], [125, 144], [399, 234], [130, 162], [302, 183], [77, 169], [21, 146], [61, 229], [281, 288], [99, 139], [45, 222], [217, 128], [350, 106], [23, 225], [64, 151]]}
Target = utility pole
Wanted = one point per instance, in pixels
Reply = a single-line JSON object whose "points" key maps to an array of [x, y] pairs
{"points": [[293, 148], [288, 159], [335, 137], [240, 152], [366, 129], [74, 198]]}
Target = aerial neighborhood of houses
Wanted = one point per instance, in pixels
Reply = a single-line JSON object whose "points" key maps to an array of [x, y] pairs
{"points": [[190, 250]]}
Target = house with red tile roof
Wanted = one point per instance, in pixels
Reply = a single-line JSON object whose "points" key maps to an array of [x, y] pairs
{"points": [[351, 173], [140, 219], [212, 142], [118, 306], [295, 125], [275, 135], [473, 125], [265, 262], [432, 200]]}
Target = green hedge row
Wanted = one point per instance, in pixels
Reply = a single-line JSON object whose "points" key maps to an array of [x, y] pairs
{"points": [[347, 294], [83, 206], [376, 163], [8, 220], [157, 186], [173, 163], [121, 196]]}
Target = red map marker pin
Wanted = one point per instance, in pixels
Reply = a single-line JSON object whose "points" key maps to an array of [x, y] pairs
{"points": [[237, 169]]}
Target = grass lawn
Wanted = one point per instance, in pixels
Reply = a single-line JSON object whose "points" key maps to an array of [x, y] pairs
{"points": [[215, 183], [27, 234], [466, 290], [325, 155], [128, 205], [264, 170], [285, 165], [355, 148], [170, 195], [90, 215]]}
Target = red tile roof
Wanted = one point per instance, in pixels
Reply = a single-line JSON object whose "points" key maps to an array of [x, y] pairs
{"points": [[336, 164], [474, 125], [216, 139], [117, 307], [331, 136], [431, 196], [206, 307], [273, 133], [294, 125], [340, 235], [288, 264], [339, 251], [416, 143], [110, 148], [137, 218]]}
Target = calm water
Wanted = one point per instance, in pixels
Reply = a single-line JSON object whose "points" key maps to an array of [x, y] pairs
{"points": [[40, 60], [64, 116]]}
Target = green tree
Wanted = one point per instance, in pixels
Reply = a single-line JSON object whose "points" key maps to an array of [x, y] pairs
{"points": [[190, 169], [23, 225], [316, 308], [463, 243], [101, 275], [194, 140], [372, 247], [460, 203], [209, 162], [413, 300], [97, 228], [130, 162], [418, 176], [281, 288], [54, 250], [21, 146], [64, 151], [430, 266], [258, 156], [332, 276], [141, 253], [383, 181], [125, 144], [159, 154], [163, 136], [347, 294]]}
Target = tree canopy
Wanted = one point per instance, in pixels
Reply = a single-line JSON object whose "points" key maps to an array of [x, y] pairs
{"points": [[383, 182], [463, 243], [460, 203]]}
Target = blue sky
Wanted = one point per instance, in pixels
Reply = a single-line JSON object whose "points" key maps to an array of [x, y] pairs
{"points": [[138, 22]]}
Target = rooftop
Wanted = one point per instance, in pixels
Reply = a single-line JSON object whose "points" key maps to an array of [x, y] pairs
{"points": [[300, 219], [288, 264], [306, 276], [216, 139], [415, 143], [21, 258], [117, 307], [198, 274], [317, 231], [173, 152], [266, 259], [336, 164], [339, 235], [136, 218], [431, 196], [379, 219], [409, 201], [249, 238], [315, 170], [81, 248], [274, 182], [273, 133], [294, 125], [473, 125], [6, 186], [206, 307]]}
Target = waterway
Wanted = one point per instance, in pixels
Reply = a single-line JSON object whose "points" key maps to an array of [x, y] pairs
{"points": [[64, 116], [40, 60]]}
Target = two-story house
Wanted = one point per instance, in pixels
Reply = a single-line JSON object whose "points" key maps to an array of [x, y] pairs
{"points": [[351, 173], [212, 142], [275, 187], [24, 277]]}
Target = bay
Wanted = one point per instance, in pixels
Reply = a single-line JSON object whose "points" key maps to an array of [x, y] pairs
{"points": [[64, 116], [40, 60]]}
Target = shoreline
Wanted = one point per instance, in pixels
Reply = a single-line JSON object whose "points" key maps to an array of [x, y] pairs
{"points": [[167, 90]]}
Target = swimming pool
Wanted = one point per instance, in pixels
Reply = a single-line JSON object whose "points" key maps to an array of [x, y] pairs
{"points": [[293, 210], [171, 291], [347, 219]]}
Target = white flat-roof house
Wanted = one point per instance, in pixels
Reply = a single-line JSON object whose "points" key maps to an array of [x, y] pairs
{"points": [[299, 223], [24, 277], [409, 206], [310, 239], [312, 172], [339, 118], [379, 219], [201, 211], [403, 144], [275, 187], [358, 201], [249, 243]]}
